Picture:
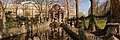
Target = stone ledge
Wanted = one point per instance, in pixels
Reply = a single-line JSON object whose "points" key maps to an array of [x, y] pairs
{"points": [[112, 24]]}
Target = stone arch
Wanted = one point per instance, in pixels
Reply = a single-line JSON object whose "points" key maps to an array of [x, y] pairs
{"points": [[55, 4]]}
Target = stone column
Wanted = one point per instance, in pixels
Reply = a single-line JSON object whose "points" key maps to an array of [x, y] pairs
{"points": [[60, 18], [49, 17], [63, 34], [53, 17], [63, 15], [58, 33]]}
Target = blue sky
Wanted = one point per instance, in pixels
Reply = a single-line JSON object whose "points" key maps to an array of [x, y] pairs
{"points": [[84, 5]]}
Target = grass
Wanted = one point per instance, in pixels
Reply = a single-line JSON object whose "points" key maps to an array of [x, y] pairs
{"points": [[100, 23]]}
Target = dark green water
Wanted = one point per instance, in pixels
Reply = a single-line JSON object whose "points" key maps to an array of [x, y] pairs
{"points": [[41, 35]]}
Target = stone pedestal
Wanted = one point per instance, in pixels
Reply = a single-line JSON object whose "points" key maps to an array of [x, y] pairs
{"points": [[72, 24]]}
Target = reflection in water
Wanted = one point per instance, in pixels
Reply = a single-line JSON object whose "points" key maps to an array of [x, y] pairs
{"points": [[53, 34]]}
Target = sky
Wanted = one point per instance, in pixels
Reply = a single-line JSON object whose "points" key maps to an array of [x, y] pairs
{"points": [[84, 5]]}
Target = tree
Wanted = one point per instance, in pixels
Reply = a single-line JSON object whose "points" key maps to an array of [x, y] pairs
{"points": [[15, 5], [115, 11], [63, 3], [16, 8], [67, 8], [72, 3], [4, 6], [24, 7], [92, 24], [77, 3], [38, 4], [103, 8], [1, 21], [46, 10]]}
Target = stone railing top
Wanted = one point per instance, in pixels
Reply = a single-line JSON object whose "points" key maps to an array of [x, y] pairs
{"points": [[112, 24]]}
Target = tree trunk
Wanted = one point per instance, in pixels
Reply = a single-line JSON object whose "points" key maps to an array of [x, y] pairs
{"points": [[115, 12], [41, 18], [92, 20], [84, 24], [46, 10], [16, 10], [114, 16], [77, 12], [67, 8]]}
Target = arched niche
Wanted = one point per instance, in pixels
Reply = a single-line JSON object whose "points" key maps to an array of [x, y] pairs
{"points": [[56, 13]]}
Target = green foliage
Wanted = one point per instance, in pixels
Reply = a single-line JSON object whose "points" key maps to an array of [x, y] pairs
{"points": [[27, 13], [11, 24], [87, 23], [14, 22], [8, 13], [101, 23], [8, 16], [99, 19], [71, 19]]}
